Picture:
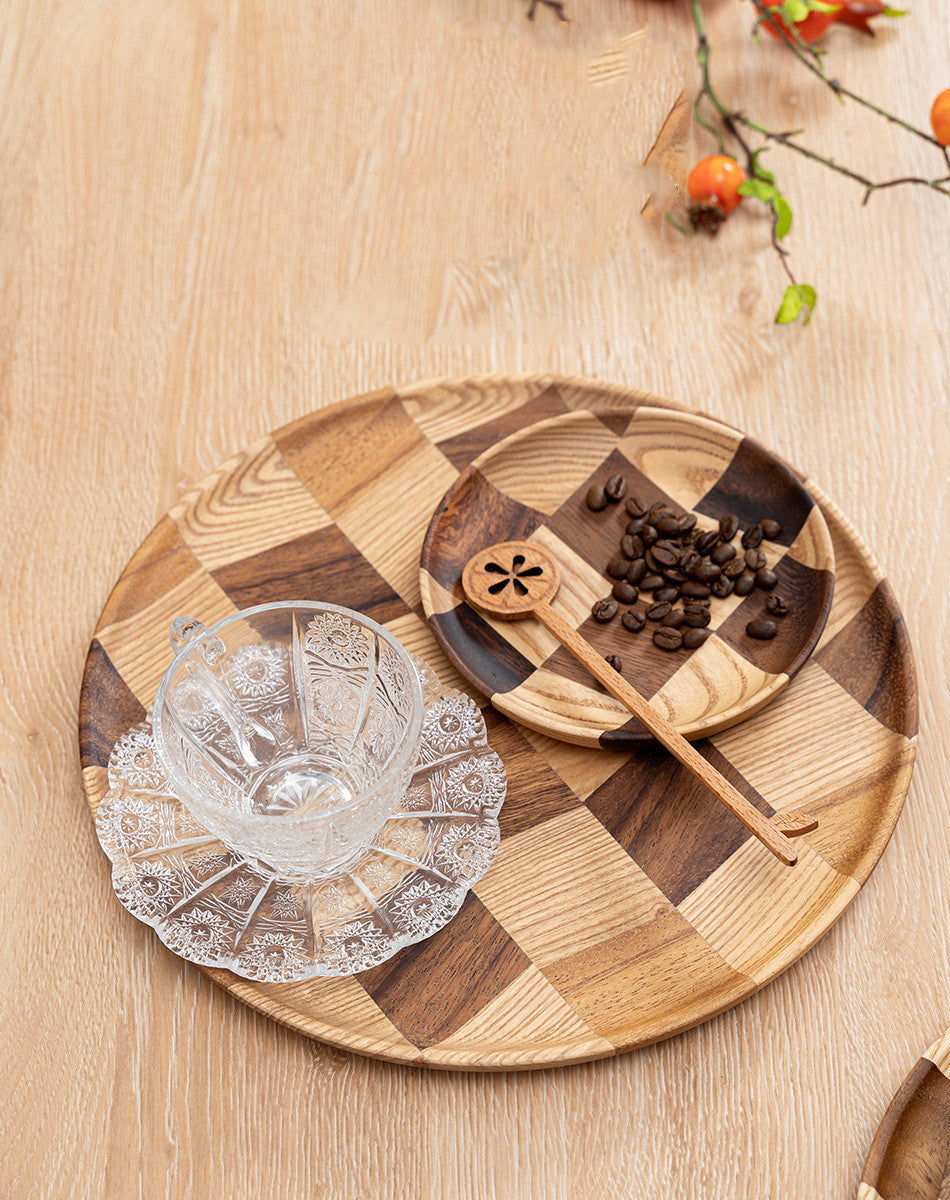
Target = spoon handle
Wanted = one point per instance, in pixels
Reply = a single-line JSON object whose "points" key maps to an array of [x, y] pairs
{"points": [[757, 823]]}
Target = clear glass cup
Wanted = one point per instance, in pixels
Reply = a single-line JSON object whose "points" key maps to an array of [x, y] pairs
{"points": [[290, 731]]}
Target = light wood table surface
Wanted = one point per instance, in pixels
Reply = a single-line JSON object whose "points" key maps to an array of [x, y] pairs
{"points": [[216, 217]]}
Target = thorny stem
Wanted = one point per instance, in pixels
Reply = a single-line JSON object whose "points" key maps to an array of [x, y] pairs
{"points": [[806, 55], [732, 120]]}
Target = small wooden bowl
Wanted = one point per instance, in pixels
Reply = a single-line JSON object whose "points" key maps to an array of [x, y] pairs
{"points": [[533, 485]]}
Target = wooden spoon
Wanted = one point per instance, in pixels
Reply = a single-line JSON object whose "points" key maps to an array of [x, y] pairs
{"points": [[511, 580]]}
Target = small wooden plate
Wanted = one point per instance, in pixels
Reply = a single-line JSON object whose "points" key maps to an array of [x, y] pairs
{"points": [[910, 1156], [533, 485]]}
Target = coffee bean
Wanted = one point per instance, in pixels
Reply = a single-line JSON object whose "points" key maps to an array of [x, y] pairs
{"points": [[651, 561], [697, 620], [770, 528], [657, 510], [674, 619], [674, 575], [755, 559], [706, 541], [667, 595], [618, 567], [665, 558], [635, 507], [689, 561], [776, 605], [687, 523], [706, 572], [638, 568], [615, 661], [668, 544], [722, 587], [649, 535], [694, 589], [656, 612], [615, 488], [694, 638], [650, 583], [745, 583], [695, 606], [722, 554], [636, 525], [766, 579], [668, 526], [636, 545], [634, 620], [625, 592], [761, 629], [668, 639], [631, 548], [733, 569], [728, 527], [596, 498], [605, 610], [752, 536]]}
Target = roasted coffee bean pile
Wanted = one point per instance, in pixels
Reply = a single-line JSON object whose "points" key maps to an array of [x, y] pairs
{"points": [[677, 563]]}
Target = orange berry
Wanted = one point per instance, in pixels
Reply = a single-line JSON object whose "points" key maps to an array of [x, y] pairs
{"points": [[715, 180], [940, 118]]}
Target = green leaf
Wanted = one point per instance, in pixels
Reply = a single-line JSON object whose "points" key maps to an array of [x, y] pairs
{"points": [[783, 214], [766, 192], [797, 296], [887, 11], [790, 307]]}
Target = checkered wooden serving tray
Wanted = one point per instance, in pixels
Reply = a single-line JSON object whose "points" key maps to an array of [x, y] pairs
{"points": [[533, 485], [625, 903], [910, 1156]]}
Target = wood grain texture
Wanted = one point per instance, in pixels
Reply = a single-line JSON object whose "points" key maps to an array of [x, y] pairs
{"points": [[214, 224], [735, 921], [533, 485], [484, 592], [909, 1158]]}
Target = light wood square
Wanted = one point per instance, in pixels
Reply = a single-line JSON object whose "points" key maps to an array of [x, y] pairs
{"points": [[564, 453], [464, 404], [581, 584], [626, 988], [712, 681], [342, 1004], [761, 915], [687, 471], [242, 505], [138, 647], [565, 885], [530, 1012], [812, 740], [939, 1054], [387, 520]]}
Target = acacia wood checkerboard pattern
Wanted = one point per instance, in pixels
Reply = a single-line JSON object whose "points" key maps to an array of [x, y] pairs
{"points": [[625, 904], [533, 487]]}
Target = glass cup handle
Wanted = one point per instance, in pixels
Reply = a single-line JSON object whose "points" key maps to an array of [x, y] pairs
{"points": [[183, 631]]}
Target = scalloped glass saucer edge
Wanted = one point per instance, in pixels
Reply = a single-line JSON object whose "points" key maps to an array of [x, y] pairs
{"points": [[216, 908]]}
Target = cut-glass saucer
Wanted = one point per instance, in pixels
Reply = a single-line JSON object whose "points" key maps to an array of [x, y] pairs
{"points": [[217, 908]]}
